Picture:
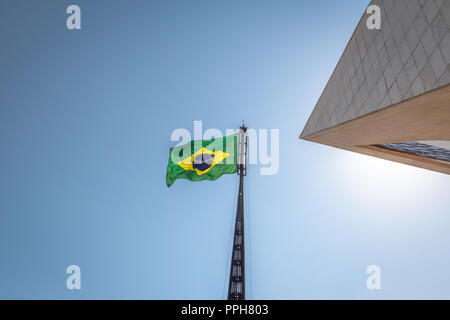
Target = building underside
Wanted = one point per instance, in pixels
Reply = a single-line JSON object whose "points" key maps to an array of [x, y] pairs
{"points": [[413, 124]]}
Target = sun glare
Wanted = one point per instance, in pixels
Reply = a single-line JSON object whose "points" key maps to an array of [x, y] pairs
{"points": [[372, 178]]}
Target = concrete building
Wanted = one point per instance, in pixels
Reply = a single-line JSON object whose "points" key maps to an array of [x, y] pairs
{"points": [[389, 95]]}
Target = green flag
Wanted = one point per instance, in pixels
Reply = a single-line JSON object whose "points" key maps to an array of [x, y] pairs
{"points": [[202, 160]]}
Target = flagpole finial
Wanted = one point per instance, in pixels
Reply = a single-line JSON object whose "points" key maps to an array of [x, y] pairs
{"points": [[243, 126]]}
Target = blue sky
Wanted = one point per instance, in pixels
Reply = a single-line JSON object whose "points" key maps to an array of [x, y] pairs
{"points": [[85, 123]]}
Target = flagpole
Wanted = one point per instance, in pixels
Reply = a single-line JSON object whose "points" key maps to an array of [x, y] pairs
{"points": [[236, 287]]}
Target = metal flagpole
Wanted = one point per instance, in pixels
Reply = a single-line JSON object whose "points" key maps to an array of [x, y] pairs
{"points": [[236, 287]]}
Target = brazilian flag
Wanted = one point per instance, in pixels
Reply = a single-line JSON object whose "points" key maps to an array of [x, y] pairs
{"points": [[202, 160]]}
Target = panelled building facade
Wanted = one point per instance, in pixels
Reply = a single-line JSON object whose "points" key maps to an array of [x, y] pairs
{"points": [[389, 95]]}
